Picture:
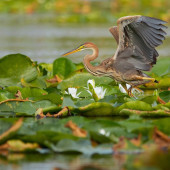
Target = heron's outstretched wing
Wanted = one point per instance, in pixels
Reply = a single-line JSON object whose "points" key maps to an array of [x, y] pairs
{"points": [[114, 31], [138, 37]]}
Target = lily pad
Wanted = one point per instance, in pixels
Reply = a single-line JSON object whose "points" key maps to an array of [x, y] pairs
{"points": [[15, 67], [63, 67], [80, 146], [80, 80]]}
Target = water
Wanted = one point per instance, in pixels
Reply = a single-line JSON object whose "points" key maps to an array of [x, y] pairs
{"points": [[44, 40]]}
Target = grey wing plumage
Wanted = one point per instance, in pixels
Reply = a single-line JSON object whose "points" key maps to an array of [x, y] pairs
{"points": [[141, 35]]}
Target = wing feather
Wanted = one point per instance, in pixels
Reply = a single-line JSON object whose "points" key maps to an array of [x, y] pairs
{"points": [[140, 34], [115, 33]]}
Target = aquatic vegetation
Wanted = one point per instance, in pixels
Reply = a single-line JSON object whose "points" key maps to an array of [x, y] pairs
{"points": [[47, 93]]}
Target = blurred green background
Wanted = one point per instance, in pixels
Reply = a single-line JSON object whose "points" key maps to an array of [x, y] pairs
{"points": [[88, 10]]}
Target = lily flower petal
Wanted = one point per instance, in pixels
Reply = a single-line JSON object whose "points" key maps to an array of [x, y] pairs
{"points": [[122, 89], [73, 92], [92, 82]]}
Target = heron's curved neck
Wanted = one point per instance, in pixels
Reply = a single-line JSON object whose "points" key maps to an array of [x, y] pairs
{"points": [[88, 58]]}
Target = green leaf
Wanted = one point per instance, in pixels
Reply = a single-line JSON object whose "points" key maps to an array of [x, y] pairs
{"points": [[39, 82], [26, 108], [63, 67], [163, 125], [15, 67], [134, 105], [80, 146], [80, 80], [33, 92], [53, 97], [46, 68], [97, 109], [161, 66], [165, 95], [68, 101]]}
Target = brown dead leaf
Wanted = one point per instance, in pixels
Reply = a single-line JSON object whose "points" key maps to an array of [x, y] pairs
{"points": [[76, 130], [161, 139], [4, 146], [160, 100], [55, 79], [120, 145], [61, 112], [18, 95], [94, 143], [12, 129], [39, 114], [17, 100], [136, 141]]}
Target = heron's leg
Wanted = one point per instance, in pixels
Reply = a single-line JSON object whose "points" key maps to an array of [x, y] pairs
{"points": [[124, 86], [144, 78], [130, 92], [138, 89]]}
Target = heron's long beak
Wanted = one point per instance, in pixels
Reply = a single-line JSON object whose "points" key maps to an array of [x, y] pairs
{"points": [[74, 50]]}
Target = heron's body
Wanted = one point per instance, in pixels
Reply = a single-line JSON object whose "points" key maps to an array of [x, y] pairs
{"points": [[137, 37]]}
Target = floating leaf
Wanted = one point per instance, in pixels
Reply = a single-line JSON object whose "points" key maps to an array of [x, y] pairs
{"points": [[63, 67], [165, 95], [80, 80], [24, 108], [15, 67], [80, 146], [135, 105], [97, 109]]}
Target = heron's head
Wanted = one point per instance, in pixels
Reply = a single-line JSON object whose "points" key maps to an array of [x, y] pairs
{"points": [[84, 46]]}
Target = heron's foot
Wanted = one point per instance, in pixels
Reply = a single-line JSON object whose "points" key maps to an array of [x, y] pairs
{"points": [[138, 93], [138, 90], [135, 92], [129, 92]]}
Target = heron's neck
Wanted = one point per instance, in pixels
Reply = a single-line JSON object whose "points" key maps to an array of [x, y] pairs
{"points": [[88, 58]]}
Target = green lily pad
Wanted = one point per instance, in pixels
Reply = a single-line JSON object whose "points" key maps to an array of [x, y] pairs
{"points": [[80, 146], [135, 105], [63, 67], [165, 95], [26, 108], [161, 66], [97, 109], [80, 80], [15, 67]]}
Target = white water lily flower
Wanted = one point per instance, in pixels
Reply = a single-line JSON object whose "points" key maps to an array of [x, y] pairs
{"points": [[103, 132], [122, 89], [92, 82], [98, 92], [73, 92]]}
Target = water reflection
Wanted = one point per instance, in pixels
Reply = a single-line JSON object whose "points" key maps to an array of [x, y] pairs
{"points": [[82, 162]]}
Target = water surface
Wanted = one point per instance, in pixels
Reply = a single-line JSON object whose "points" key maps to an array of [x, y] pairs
{"points": [[44, 40]]}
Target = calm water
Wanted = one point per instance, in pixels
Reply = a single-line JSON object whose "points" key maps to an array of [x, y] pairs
{"points": [[44, 40]]}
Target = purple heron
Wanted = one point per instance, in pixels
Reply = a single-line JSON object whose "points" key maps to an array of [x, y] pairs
{"points": [[136, 36]]}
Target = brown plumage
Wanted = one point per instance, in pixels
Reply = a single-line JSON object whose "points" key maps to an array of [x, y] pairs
{"points": [[136, 36]]}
